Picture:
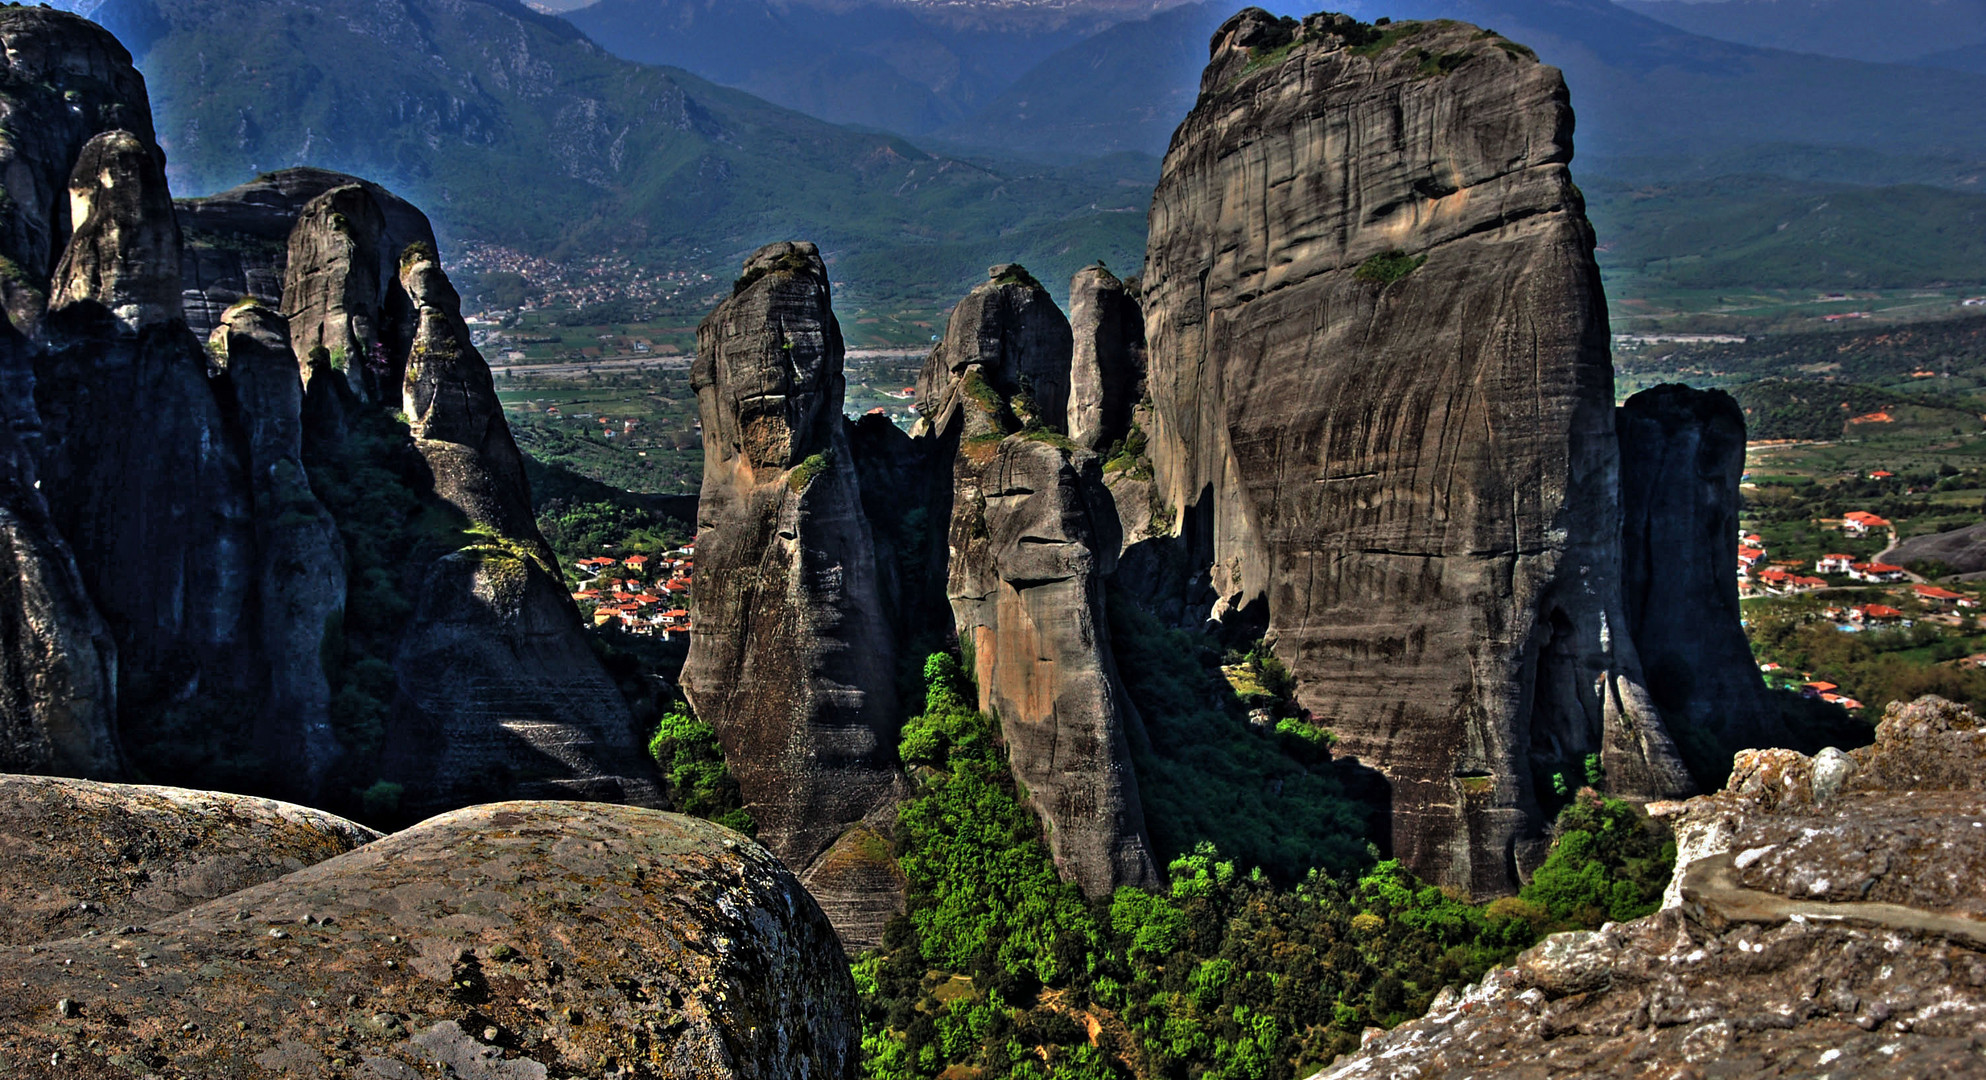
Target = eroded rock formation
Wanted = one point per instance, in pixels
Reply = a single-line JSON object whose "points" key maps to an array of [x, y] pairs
{"points": [[1033, 534], [793, 661], [1682, 454], [237, 241], [1825, 921], [299, 581], [699, 956], [1107, 373], [63, 81], [1383, 409]]}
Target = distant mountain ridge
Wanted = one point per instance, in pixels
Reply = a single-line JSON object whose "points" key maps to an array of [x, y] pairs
{"points": [[908, 66], [1883, 30], [511, 126]]}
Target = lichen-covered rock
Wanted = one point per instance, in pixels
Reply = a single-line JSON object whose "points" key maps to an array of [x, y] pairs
{"points": [[1033, 535], [123, 258], [1107, 375], [1383, 410], [793, 661], [300, 559], [237, 241], [1843, 935], [78, 856], [335, 281], [1682, 453], [63, 80], [518, 940]]}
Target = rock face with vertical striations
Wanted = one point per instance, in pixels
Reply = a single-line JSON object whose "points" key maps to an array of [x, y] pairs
{"points": [[300, 560], [1682, 454], [452, 408], [237, 241], [793, 662], [1383, 410], [1033, 534], [63, 81], [137, 460]]}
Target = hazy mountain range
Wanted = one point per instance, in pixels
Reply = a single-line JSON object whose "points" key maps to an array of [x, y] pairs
{"points": [[516, 126]]}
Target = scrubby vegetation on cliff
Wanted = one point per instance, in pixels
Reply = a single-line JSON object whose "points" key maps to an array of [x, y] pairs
{"points": [[1001, 969]]}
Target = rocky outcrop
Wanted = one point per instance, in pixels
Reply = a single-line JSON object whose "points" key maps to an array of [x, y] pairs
{"points": [[1682, 454], [1033, 534], [335, 289], [443, 948], [1825, 920], [237, 241], [63, 80], [1383, 410], [58, 665], [453, 412], [1107, 373], [123, 257], [85, 859], [137, 460], [500, 695], [793, 661], [300, 560], [1010, 333]]}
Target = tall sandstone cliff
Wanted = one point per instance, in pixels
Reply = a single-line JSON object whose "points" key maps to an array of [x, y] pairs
{"points": [[1384, 411], [1033, 534], [794, 661]]}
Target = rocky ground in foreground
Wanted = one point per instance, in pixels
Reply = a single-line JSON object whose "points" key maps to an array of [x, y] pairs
{"points": [[1827, 920], [514, 941]]}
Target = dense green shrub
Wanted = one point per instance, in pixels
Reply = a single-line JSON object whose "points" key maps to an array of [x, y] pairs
{"points": [[999, 969], [692, 763]]}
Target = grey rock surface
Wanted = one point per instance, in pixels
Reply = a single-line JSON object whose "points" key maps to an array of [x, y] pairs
{"points": [[1010, 332], [1846, 938], [1383, 411], [237, 241], [516, 940], [80, 856], [63, 80], [123, 258], [1033, 535], [793, 661]]}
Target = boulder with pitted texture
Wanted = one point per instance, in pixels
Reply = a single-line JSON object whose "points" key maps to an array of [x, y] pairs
{"points": [[516, 941], [793, 661], [1383, 411], [1825, 920]]}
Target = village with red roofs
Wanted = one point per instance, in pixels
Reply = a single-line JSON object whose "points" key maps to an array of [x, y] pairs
{"points": [[642, 594]]}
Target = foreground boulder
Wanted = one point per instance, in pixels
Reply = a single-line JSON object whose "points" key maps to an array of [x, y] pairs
{"points": [[1826, 919], [513, 941], [1383, 418], [79, 858]]}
